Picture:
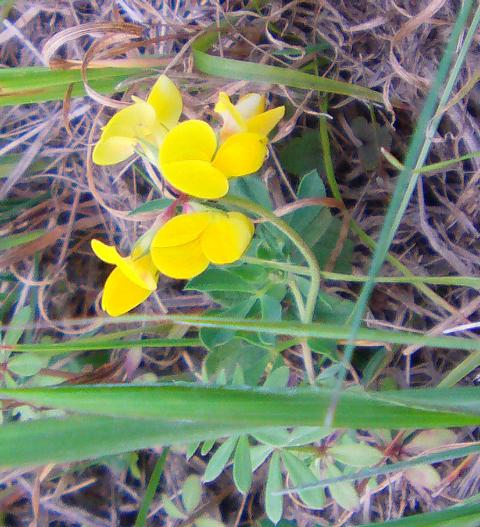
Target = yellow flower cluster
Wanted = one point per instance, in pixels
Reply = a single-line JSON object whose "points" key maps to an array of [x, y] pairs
{"points": [[195, 161]]}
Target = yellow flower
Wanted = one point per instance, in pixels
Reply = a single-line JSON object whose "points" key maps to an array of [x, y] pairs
{"points": [[187, 244], [190, 161], [248, 115], [143, 122], [130, 283]]}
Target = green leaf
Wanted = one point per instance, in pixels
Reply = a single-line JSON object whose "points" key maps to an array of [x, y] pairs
{"points": [[373, 137], [26, 365], [305, 435], [191, 449], [429, 440], [252, 188], [17, 326], [277, 437], [242, 465], [219, 459], [274, 484], [259, 454], [302, 154], [152, 206], [278, 378], [219, 280], [343, 493], [14, 240], [172, 510], [238, 353], [191, 492], [301, 476], [213, 337], [204, 521], [356, 455], [424, 477], [207, 446]]}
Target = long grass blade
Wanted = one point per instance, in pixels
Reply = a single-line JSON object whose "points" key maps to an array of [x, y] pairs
{"points": [[255, 407]]}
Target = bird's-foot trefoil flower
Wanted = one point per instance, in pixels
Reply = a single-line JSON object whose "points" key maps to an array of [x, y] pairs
{"points": [[248, 115], [143, 123], [185, 245], [132, 281], [191, 161]]}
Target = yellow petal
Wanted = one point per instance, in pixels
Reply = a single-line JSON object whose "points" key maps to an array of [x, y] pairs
{"points": [[241, 154], [226, 237], [250, 105], [196, 178], [113, 150], [120, 295], [180, 262], [106, 253], [141, 272], [167, 101], [189, 141], [233, 121], [136, 121], [265, 122], [181, 229]]}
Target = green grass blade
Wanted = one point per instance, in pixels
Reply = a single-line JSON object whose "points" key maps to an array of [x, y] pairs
{"points": [[462, 370], [70, 346], [84, 437], [457, 513], [315, 329], [250, 71], [38, 84], [257, 407], [438, 457], [14, 240], [151, 488]]}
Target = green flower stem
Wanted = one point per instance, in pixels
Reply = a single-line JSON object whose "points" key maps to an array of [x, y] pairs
{"points": [[309, 257]]}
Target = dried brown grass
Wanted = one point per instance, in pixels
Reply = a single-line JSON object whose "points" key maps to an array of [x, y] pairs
{"points": [[392, 46]]}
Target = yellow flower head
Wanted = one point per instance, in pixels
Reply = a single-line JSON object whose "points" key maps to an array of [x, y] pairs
{"points": [[248, 115], [143, 122], [130, 283], [190, 161], [187, 244]]}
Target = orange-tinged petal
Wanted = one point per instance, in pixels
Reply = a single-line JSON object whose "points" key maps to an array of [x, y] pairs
{"points": [[241, 154], [181, 229], [141, 272], [136, 121], [106, 253], [226, 237], [167, 101], [196, 178], [189, 141], [120, 295], [181, 262], [233, 121], [113, 150], [250, 105], [265, 122]]}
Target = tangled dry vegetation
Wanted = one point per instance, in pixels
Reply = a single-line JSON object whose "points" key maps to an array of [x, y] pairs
{"points": [[391, 46]]}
